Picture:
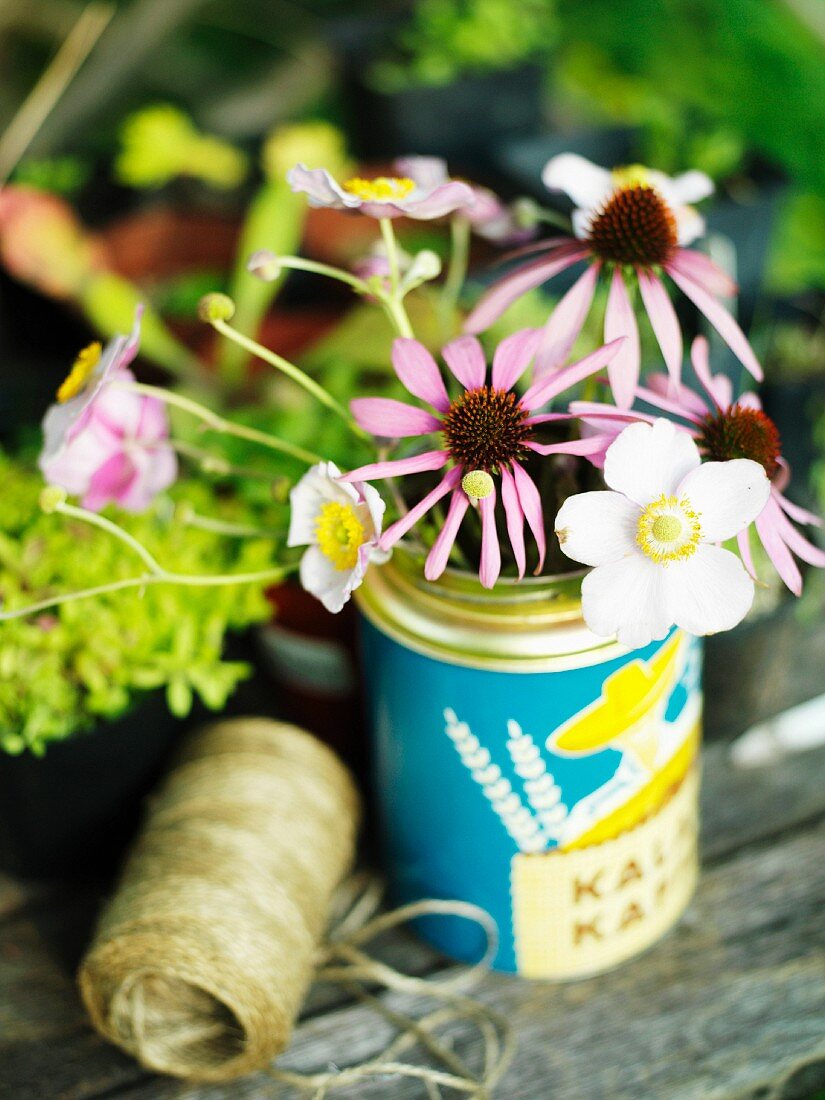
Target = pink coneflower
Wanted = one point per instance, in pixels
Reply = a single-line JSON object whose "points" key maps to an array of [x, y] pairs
{"points": [[630, 223], [486, 430], [726, 429]]}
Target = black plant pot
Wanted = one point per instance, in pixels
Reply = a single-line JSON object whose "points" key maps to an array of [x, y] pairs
{"points": [[69, 813], [461, 122]]}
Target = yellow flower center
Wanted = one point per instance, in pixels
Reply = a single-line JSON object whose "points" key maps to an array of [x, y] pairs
{"points": [[381, 189], [339, 534], [82, 370], [669, 530], [631, 175]]}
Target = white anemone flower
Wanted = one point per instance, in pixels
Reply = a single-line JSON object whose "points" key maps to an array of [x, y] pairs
{"points": [[592, 187], [340, 524], [653, 539]]}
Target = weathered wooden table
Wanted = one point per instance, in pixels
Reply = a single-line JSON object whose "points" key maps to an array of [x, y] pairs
{"points": [[730, 1005]]}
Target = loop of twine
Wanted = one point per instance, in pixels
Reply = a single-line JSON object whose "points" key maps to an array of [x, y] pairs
{"points": [[201, 960]]}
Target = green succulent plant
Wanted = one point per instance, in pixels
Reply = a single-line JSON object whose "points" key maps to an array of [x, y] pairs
{"points": [[92, 660]]}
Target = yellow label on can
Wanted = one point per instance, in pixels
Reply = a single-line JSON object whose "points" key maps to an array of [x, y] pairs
{"points": [[581, 912]]}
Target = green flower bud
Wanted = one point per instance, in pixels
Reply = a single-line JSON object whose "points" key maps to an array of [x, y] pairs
{"points": [[477, 484], [51, 498], [216, 307]]}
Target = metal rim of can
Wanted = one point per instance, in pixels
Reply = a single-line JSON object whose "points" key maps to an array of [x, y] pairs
{"points": [[533, 625]]}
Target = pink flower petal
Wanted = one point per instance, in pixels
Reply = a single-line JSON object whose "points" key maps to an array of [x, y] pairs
{"points": [[401, 526], [700, 358], [547, 388], [565, 323], [795, 541], [517, 283], [620, 320], [515, 518], [465, 358], [552, 418], [684, 403], [721, 320], [664, 322], [590, 445], [441, 201], [776, 549], [743, 541], [438, 557], [530, 502], [396, 467], [512, 357], [801, 515], [320, 188], [110, 482], [699, 267], [390, 419], [490, 565], [419, 372]]}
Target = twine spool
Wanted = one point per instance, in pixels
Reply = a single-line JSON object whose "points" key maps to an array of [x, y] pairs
{"points": [[201, 960]]}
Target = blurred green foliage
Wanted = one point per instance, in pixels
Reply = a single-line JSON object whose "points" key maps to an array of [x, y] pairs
{"points": [[447, 39], [91, 660], [746, 68]]}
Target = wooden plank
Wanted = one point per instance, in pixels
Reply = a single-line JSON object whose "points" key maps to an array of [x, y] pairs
{"points": [[731, 1003], [46, 1047]]}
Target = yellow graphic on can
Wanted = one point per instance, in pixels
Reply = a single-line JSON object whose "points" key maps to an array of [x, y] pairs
{"points": [[628, 713]]}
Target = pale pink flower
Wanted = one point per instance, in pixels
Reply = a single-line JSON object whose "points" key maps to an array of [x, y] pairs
{"points": [[488, 216], [632, 218], [468, 456], [382, 197], [652, 537], [102, 442]]}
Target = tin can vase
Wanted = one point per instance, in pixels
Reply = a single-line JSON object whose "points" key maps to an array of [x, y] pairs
{"points": [[526, 765]]}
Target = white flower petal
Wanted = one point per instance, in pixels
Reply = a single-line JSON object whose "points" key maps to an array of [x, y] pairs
{"points": [[709, 592], [582, 220], [596, 528], [689, 224], [317, 487], [371, 510], [427, 173], [727, 495], [587, 184], [627, 598], [690, 187], [647, 460], [333, 587]]}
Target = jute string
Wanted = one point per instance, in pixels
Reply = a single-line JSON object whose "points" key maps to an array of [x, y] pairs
{"points": [[227, 910]]}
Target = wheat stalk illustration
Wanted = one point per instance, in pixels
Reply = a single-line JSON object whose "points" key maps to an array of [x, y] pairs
{"points": [[521, 824], [543, 794]]}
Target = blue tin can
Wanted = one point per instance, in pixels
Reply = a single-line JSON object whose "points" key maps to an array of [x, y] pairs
{"points": [[529, 767]]}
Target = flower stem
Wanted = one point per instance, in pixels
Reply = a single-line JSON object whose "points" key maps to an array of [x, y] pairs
{"points": [[264, 576], [215, 464], [293, 372], [456, 272], [220, 527], [398, 316], [392, 302], [96, 520], [220, 424], [297, 263]]}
